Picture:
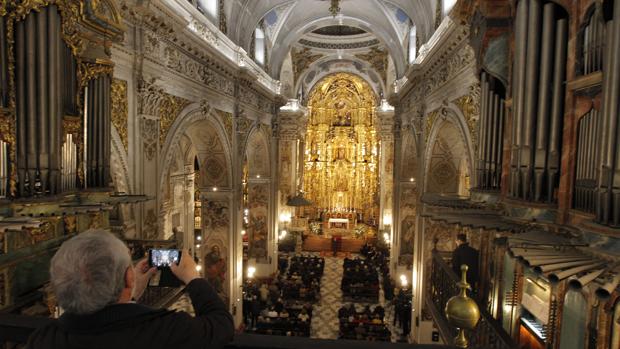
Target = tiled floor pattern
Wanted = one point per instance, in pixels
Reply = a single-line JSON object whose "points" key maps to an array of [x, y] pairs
{"points": [[325, 323]]}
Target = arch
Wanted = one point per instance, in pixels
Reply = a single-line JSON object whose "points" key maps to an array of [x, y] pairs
{"points": [[573, 323], [192, 115], [388, 36], [258, 153], [324, 67], [449, 139]]}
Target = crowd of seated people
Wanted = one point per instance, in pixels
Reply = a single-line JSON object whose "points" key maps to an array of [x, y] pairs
{"points": [[303, 279], [265, 312], [379, 258], [363, 325], [360, 281]]}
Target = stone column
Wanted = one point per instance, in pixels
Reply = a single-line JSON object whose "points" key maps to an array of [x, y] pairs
{"points": [[388, 163], [149, 98]]}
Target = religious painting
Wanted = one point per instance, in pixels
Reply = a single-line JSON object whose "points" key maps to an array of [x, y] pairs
{"points": [[408, 199], [216, 219], [258, 224]]}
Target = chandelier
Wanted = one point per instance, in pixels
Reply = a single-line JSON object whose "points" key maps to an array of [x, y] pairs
{"points": [[334, 9]]}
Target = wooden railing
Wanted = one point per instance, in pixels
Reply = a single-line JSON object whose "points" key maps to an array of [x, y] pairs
{"points": [[443, 285]]}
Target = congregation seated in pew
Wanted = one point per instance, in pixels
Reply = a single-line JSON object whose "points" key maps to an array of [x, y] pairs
{"points": [[360, 281], [367, 324]]}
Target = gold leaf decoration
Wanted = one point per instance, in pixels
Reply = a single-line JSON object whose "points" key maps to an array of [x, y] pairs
{"points": [[120, 110], [169, 109]]}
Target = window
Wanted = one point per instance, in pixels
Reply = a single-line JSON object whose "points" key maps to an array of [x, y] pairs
{"points": [[210, 8], [259, 46], [447, 6], [413, 44]]}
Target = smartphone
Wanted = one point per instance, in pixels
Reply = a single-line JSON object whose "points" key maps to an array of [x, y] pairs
{"points": [[163, 258]]}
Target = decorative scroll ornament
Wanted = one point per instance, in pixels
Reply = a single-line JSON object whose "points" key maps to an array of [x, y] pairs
{"points": [[470, 107], [89, 71], [120, 110]]}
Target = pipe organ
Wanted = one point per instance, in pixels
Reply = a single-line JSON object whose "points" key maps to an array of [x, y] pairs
{"points": [[608, 183], [49, 54], [586, 172], [341, 147], [539, 71], [592, 42], [491, 132]]}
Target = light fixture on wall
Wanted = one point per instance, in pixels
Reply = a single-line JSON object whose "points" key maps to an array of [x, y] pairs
{"points": [[251, 271], [403, 280], [334, 8]]}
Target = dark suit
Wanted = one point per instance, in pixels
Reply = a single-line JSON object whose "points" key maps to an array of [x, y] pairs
{"points": [[465, 254]]}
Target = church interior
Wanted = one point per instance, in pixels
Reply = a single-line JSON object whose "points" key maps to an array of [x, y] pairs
{"points": [[324, 161]]}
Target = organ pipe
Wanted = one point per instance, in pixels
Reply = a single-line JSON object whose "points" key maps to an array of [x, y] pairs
{"points": [[518, 89], [557, 108], [21, 123], [531, 97], [483, 117], [544, 90]]}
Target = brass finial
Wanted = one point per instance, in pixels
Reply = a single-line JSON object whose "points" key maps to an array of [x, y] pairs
{"points": [[462, 312]]}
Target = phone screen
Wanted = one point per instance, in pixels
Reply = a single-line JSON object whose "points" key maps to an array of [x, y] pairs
{"points": [[162, 258]]}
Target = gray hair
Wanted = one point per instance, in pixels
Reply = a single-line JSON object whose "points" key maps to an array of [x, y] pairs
{"points": [[88, 271]]}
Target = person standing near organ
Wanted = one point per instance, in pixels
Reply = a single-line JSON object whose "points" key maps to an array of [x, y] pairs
{"points": [[465, 254]]}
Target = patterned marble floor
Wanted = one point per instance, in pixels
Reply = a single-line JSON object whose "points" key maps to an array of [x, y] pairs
{"points": [[325, 312]]}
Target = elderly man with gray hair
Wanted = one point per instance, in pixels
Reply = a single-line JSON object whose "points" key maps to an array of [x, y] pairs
{"points": [[96, 285]]}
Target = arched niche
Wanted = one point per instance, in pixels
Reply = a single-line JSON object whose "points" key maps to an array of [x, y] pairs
{"points": [[573, 323], [448, 156]]}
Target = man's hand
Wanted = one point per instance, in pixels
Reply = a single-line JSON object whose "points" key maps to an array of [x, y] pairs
{"points": [[142, 274], [186, 270]]}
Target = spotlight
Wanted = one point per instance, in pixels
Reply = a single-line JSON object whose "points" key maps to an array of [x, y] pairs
{"points": [[214, 189], [251, 271], [198, 268]]}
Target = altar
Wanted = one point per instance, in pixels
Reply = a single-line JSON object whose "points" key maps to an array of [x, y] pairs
{"points": [[338, 222]]}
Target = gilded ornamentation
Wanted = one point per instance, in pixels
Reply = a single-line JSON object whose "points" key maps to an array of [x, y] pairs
{"points": [[470, 107], [378, 59], [341, 146], [120, 109], [89, 71], [70, 224], [169, 109], [96, 221], [73, 125], [302, 60], [149, 137]]}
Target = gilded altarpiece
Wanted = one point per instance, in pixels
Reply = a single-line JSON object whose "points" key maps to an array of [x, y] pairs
{"points": [[341, 154]]}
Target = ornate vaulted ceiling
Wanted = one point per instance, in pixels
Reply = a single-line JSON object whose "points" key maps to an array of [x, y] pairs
{"points": [[363, 32]]}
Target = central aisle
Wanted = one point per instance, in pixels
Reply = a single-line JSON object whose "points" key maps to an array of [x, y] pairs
{"points": [[325, 313]]}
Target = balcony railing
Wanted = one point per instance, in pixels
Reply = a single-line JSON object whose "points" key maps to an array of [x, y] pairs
{"points": [[15, 329], [443, 285]]}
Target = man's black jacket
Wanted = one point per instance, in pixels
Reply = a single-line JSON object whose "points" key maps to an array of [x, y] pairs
{"points": [[135, 326], [465, 254]]}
